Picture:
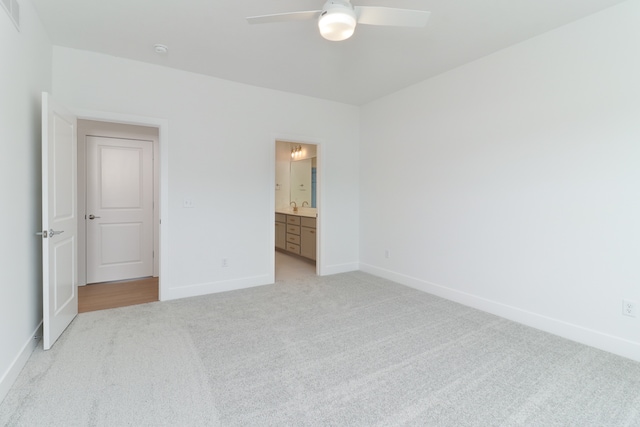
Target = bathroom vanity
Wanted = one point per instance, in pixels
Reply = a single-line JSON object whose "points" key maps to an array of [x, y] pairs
{"points": [[296, 233]]}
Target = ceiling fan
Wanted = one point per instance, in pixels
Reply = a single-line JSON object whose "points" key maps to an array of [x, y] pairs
{"points": [[338, 18]]}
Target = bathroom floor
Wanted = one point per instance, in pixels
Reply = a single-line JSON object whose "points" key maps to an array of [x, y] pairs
{"points": [[290, 267]]}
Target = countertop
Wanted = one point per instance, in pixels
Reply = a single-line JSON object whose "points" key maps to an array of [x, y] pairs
{"points": [[308, 212]]}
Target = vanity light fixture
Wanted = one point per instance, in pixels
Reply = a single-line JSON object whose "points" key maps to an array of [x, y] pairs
{"points": [[296, 152]]}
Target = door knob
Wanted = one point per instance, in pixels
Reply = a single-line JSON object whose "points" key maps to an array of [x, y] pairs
{"points": [[53, 232], [92, 216]]}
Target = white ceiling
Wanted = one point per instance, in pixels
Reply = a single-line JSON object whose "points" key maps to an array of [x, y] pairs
{"points": [[212, 37]]}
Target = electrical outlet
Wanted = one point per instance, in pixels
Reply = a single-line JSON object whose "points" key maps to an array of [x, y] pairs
{"points": [[187, 203], [387, 253], [629, 308], [225, 262]]}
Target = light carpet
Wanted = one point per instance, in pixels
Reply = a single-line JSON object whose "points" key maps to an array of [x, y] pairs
{"points": [[344, 350]]}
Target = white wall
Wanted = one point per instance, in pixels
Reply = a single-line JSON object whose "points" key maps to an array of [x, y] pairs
{"points": [[25, 71], [512, 183], [221, 155], [283, 175]]}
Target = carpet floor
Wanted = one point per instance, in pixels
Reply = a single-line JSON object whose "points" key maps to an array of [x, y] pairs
{"points": [[344, 350]]}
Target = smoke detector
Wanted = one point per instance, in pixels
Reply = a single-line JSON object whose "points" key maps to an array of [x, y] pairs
{"points": [[160, 49]]}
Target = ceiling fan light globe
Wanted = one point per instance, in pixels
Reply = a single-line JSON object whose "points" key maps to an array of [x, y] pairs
{"points": [[337, 25]]}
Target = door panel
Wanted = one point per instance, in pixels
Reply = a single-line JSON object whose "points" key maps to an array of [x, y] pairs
{"points": [[119, 209], [59, 219], [121, 172], [121, 243], [63, 292]]}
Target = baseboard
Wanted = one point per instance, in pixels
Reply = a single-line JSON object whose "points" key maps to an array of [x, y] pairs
{"points": [[339, 268], [590, 337], [199, 289], [214, 287], [11, 374]]}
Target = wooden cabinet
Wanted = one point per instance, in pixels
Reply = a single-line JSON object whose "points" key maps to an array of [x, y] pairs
{"points": [[293, 234], [296, 234], [293, 219], [308, 242], [281, 231]]}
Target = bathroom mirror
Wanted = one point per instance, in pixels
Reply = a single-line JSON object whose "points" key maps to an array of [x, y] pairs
{"points": [[301, 190], [295, 174]]}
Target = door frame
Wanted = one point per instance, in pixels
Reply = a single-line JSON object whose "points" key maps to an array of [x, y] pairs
{"points": [[319, 197], [162, 162], [119, 131]]}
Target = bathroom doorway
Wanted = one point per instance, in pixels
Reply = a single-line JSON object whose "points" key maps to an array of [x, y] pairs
{"points": [[296, 210]]}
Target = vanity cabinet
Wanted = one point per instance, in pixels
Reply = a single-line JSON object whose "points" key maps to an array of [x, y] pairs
{"points": [[308, 238], [281, 231], [293, 234], [296, 234]]}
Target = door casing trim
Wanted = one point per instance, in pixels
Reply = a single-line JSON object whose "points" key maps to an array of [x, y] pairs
{"points": [[162, 160]]}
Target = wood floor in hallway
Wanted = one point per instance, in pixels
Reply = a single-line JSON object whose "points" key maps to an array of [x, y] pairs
{"points": [[101, 296]]}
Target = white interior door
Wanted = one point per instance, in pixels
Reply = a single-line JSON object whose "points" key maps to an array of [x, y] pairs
{"points": [[119, 209], [59, 220]]}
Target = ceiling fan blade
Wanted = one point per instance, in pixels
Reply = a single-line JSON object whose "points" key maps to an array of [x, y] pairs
{"points": [[284, 17], [373, 15]]}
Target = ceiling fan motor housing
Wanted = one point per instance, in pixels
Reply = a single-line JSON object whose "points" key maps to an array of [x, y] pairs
{"points": [[337, 21]]}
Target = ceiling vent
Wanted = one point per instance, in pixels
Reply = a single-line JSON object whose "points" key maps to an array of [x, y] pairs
{"points": [[13, 10]]}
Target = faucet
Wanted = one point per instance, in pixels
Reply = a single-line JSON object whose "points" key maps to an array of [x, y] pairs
{"points": [[304, 203], [295, 207]]}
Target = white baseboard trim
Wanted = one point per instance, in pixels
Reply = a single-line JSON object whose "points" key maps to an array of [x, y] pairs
{"points": [[11, 374], [215, 287], [339, 268], [590, 337], [242, 283]]}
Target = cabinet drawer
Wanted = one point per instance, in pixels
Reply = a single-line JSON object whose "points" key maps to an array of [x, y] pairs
{"points": [[308, 230], [293, 248], [293, 229], [292, 238], [308, 222], [281, 217], [292, 219]]}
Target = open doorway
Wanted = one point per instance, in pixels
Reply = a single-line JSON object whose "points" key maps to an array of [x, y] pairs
{"points": [[118, 231], [296, 210]]}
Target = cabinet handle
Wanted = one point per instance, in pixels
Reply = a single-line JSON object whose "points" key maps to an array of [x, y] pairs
{"points": [[312, 232]]}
